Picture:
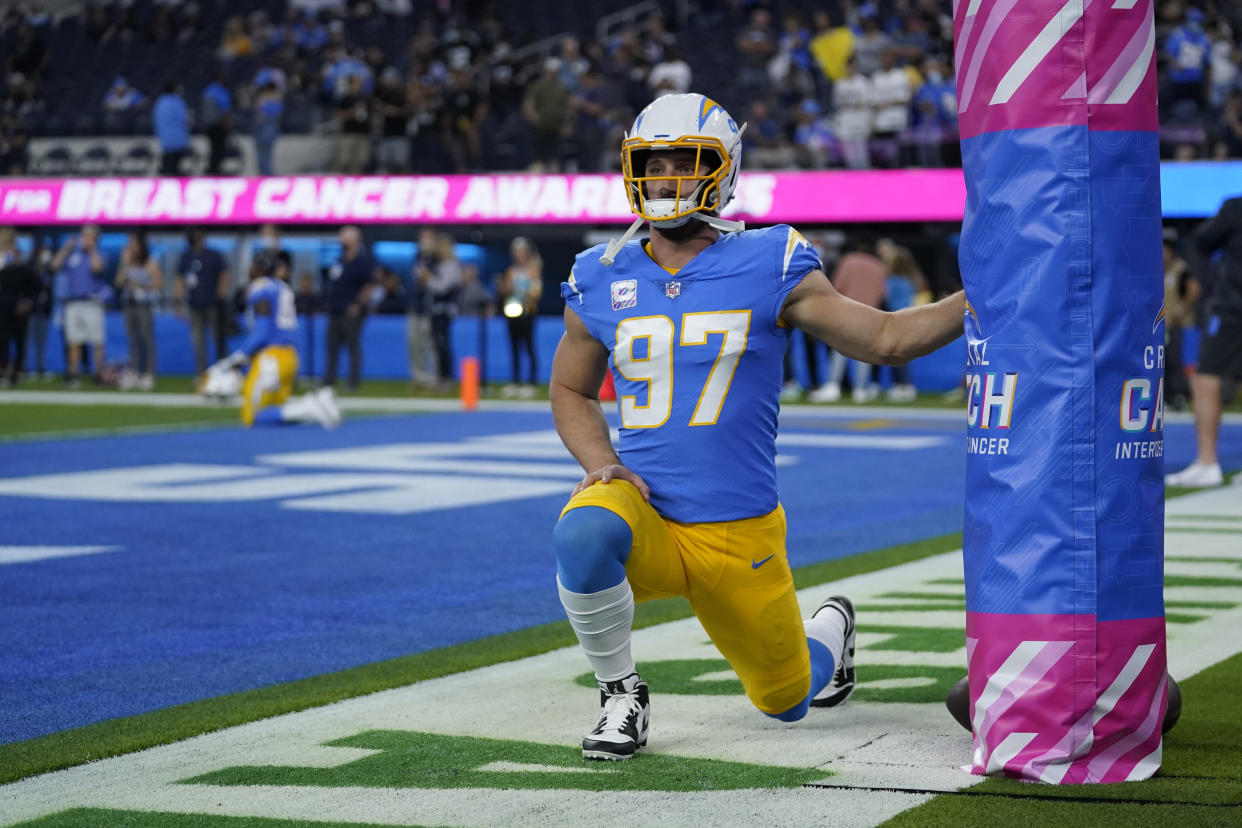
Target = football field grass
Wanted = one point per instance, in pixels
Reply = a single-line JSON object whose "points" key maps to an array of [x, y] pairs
{"points": [[436, 737]]}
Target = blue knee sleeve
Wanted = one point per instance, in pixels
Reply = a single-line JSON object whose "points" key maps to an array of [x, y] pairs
{"points": [[592, 546], [822, 667]]}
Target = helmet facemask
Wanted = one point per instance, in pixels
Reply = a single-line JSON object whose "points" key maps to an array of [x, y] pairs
{"points": [[668, 213]]}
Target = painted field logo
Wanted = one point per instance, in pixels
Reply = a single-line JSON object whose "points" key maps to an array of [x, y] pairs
{"points": [[429, 760]]}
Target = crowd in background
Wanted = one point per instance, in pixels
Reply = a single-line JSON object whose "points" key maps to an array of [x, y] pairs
{"points": [[62, 293], [459, 86]]}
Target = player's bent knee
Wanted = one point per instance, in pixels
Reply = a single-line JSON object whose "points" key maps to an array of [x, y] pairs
{"points": [[592, 546]]}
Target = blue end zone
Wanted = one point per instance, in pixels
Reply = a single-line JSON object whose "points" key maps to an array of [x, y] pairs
{"points": [[204, 596]]}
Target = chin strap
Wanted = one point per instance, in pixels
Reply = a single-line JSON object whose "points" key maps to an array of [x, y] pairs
{"points": [[614, 246], [727, 225]]}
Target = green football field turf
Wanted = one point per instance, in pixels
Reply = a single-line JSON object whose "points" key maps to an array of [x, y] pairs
{"points": [[1199, 785]]}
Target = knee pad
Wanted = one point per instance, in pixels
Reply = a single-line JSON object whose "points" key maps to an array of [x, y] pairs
{"points": [[592, 546]]}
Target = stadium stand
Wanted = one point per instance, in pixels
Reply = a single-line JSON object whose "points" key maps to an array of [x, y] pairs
{"points": [[467, 69]]}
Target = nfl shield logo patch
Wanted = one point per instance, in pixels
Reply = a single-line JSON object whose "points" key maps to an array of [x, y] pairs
{"points": [[672, 289], [624, 294]]}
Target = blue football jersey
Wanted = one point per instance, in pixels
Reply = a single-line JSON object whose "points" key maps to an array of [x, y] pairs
{"points": [[276, 323], [696, 358]]}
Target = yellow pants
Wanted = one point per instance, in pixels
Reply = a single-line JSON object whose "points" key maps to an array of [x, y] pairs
{"points": [[269, 381], [737, 579]]}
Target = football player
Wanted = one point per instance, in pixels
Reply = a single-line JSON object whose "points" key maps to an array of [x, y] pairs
{"points": [[693, 323], [272, 357]]}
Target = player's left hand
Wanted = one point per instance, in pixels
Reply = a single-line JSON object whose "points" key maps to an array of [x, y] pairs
{"points": [[613, 472]]}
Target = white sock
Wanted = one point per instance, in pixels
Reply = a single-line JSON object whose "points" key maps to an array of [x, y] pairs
{"points": [[602, 621], [828, 628]]}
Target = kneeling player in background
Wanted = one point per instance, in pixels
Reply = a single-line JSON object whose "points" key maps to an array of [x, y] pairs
{"points": [[273, 359]]}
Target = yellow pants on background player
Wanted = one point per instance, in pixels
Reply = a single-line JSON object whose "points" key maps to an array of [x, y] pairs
{"points": [[735, 575], [269, 381]]}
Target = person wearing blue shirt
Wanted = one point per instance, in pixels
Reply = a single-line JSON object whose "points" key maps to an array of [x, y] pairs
{"points": [[201, 287], [217, 117], [79, 267], [347, 279], [693, 324], [269, 108], [171, 117], [1188, 50], [270, 353]]}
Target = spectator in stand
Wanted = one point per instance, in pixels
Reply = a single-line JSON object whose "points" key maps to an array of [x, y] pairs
{"points": [[546, 107], [892, 91], [573, 64], [903, 287], [756, 44], [269, 108], [670, 76], [419, 343], [860, 276], [392, 102], [519, 290], [80, 266], [201, 289], [590, 104], [28, 55], [442, 294], [831, 46], [353, 138], [306, 299], [871, 44], [19, 287], [815, 144], [41, 313], [1229, 140], [1188, 51], [792, 66], [854, 95], [216, 112], [1223, 65], [234, 41], [1220, 348], [141, 283], [120, 104], [348, 279], [171, 117], [764, 141], [14, 147], [475, 299], [1181, 293], [385, 295], [935, 114], [656, 39]]}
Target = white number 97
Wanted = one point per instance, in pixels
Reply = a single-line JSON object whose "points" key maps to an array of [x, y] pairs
{"points": [[655, 367]]}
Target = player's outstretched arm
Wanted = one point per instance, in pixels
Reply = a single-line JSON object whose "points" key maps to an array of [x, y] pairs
{"points": [[577, 372], [865, 333]]}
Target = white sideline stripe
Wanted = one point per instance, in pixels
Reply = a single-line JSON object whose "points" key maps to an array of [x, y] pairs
{"points": [[26, 554], [858, 441], [532, 767]]}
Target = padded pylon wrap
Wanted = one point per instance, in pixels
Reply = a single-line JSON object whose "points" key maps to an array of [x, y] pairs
{"points": [[1061, 259]]}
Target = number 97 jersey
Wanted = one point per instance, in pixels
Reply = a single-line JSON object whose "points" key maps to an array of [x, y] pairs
{"points": [[697, 358]]}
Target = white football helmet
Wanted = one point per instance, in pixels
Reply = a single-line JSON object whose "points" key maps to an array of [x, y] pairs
{"points": [[687, 122], [222, 383]]}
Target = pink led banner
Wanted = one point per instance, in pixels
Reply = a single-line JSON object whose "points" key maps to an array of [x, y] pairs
{"points": [[819, 197]]}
